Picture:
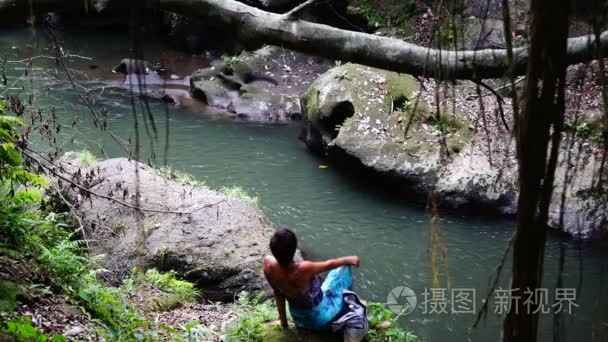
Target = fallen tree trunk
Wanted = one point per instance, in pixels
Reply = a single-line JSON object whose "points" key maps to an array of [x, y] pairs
{"points": [[251, 23]]}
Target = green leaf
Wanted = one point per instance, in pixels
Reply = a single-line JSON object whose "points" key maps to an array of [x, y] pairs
{"points": [[8, 296]]}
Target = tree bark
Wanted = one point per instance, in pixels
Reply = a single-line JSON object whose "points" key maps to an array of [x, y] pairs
{"points": [[538, 131], [367, 49]]}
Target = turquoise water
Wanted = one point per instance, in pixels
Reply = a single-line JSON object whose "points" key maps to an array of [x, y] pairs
{"points": [[333, 213]]}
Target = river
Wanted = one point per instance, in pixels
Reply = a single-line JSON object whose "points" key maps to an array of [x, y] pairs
{"points": [[332, 212]]}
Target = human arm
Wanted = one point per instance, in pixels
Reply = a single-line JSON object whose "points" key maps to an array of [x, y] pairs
{"points": [[323, 266], [280, 301]]}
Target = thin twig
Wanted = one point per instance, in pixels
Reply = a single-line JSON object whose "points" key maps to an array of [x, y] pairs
{"points": [[74, 212], [110, 198], [30, 59], [60, 59], [292, 14], [12, 85], [499, 100], [484, 307]]}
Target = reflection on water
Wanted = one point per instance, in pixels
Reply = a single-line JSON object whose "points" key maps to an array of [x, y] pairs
{"points": [[332, 214]]}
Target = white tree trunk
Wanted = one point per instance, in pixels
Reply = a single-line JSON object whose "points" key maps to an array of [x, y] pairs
{"points": [[385, 53]]}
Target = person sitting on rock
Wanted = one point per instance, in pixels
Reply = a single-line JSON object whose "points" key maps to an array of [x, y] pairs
{"points": [[313, 305]]}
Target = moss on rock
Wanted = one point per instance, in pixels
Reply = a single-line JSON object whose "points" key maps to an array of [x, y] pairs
{"points": [[162, 303], [383, 103], [352, 82]]}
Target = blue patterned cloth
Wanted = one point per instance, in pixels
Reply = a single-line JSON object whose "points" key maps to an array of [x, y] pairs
{"points": [[320, 317]]}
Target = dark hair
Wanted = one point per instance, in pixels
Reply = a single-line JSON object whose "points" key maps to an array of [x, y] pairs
{"points": [[283, 246]]}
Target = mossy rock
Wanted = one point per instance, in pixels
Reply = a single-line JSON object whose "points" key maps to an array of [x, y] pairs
{"points": [[162, 303], [588, 127], [365, 111], [242, 87], [351, 83]]}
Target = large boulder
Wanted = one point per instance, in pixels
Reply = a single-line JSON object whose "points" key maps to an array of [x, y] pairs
{"points": [[358, 115], [580, 201], [488, 9], [153, 81], [480, 33], [208, 237], [261, 86], [362, 112]]}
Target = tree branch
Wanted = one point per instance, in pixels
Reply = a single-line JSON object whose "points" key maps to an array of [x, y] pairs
{"points": [[323, 40], [500, 102], [296, 10]]}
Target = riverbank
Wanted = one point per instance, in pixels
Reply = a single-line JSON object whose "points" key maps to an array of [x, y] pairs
{"points": [[332, 211], [53, 280], [259, 100]]}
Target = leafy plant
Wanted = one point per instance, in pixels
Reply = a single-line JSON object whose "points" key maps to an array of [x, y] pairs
{"points": [[181, 177], [22, 329], [366, 9], [254, 314], [445, 122], [63, 262], [188, 179], [12, 169], [71, 270], [8, 296], [238, 192], [587, 130], [376, 14], [28, 196], [378, 313], [16, 231], [342, 75], [23, 227], [405, 108], [582, 129], [393, 334], [108, 305], [87, 158], [229, 60], [28, 231], [193, 331], [184, 290], [449, 34]]}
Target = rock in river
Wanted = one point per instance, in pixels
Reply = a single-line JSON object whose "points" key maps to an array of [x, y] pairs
{"points": [[218, 242], [358, 115], [264, 85]]}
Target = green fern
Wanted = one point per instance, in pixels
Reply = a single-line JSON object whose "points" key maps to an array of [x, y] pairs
{"points": [[12, 169], [254, 314], [184, 290], [64, 262]]}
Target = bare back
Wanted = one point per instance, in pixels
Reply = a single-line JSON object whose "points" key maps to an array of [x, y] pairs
{"points": [[290, 281]]}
